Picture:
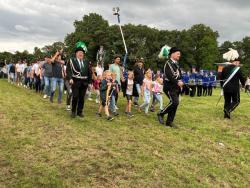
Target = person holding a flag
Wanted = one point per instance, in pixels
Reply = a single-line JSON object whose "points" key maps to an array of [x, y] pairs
{"points": [[231, 76]]}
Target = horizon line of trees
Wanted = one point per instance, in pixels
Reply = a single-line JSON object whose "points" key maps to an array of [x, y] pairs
{"points": [[199, 44]]}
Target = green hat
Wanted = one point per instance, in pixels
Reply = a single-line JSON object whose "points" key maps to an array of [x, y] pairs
{"points": [[81, 46]]}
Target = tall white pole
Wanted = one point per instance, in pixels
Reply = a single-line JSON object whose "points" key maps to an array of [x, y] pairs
{"points": [[124, 43], [116, 12]]}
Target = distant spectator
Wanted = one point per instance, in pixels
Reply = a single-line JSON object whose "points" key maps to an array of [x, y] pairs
{"points": [[57, 77]]}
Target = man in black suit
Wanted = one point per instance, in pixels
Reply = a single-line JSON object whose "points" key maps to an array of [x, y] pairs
{"points": [[231, 88], [79, 75], [172, 87]]}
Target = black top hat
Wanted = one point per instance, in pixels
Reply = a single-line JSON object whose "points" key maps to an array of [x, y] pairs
{"points": [[173, 50]]}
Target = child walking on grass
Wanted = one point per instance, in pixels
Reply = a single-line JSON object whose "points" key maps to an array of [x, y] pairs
{"points": [[105, 89], [146, 91], [96, 86], [157, 93], [129, 90], [113, 94]]}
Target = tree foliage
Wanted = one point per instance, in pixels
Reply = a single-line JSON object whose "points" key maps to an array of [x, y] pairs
{"points": [[199, 44]]}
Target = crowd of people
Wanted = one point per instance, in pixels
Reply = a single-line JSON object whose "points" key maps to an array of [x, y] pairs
{"points": [[199, 83], [79, 79]]}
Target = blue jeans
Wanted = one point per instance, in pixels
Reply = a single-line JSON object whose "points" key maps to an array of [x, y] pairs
{"points": [[112, 104], [47, 86], [158, 98], [60, 83], [138, 88], [146, 100]]}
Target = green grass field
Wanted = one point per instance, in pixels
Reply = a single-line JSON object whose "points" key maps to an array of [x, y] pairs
{"points": [[41, 146]]}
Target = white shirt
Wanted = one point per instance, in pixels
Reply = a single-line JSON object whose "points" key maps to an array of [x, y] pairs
{"points": [[99, 71], [24, 65], [35, 68], [18, 67], [129, 90]]}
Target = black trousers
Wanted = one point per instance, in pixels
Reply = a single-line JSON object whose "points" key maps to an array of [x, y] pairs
{"points": [[205, 91], [210, 90], [79, 89], [37, 83], [232, 100], [186, 89], [192, 90], [171, 108], [199, 90]]}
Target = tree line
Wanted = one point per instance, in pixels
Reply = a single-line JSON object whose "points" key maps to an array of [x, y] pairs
{"points": [[199, 44]]}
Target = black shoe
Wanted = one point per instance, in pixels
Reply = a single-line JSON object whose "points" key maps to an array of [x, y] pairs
{"points": [[152, 109], [171, 124], [226, 114], [110, 118], [136, 103], [129, 114], [98, 114], [73, 115], [160, 118], [80, 115], [116, 114]]}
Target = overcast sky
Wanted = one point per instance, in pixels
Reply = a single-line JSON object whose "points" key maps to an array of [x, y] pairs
{"points": [[25, 24]]}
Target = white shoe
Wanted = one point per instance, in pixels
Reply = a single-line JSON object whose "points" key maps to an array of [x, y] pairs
{"points": [[65, 92], [116, 107], [97, 102], [90, 99], [68, 108], [45, 96]]}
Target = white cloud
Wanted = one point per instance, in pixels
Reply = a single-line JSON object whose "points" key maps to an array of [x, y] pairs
{"points": [[21, 28]]}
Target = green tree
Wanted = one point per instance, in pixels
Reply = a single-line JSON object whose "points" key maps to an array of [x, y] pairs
{"points": [[93, 30], [204, 46]]}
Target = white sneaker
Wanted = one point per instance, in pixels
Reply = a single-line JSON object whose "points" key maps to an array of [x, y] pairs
{"points": [[97, 101], [65, 92], [45, 96], [68, 108], [116, 107], [90, 99]]}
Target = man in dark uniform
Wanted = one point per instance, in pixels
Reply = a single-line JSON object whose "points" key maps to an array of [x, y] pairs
{"points": [[185, 79], [199, 83], [212, 82], [79, 74], [231, 89], [172, 87], [192, 83]]}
